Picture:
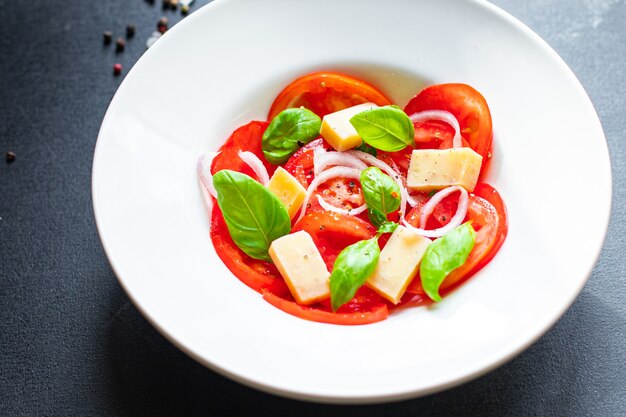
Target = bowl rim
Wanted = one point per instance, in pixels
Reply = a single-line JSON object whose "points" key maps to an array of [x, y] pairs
{"points": [[266, 387]]}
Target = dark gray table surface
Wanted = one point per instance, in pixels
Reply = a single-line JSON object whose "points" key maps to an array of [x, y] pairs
{"points": [[72, 344]]}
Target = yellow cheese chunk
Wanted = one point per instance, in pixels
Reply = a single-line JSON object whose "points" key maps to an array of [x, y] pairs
{"points": [[398, 262], [302, 267], [288, 190], [434, 169], [338, 131]]}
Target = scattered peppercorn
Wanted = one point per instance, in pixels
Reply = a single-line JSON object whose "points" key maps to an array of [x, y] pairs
{"points": [[163, 21], [10, 157], [107, 37], [166, 4], [351, 184], [117, 69], [130, 31], [173, 4], [120, 44]]}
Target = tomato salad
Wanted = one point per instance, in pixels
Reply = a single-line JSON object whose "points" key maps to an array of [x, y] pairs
{"points": [[343, 207]]}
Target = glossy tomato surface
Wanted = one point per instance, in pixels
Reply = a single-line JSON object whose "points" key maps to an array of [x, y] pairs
{"points": [[326, 92]]}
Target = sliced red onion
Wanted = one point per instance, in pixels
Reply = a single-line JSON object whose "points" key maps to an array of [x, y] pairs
{"points": [[204, 171], [455, 221], [334, 172], [442, 116], [329, 207], [322, 160], [257, 166], [411, 200], [373, 161]]}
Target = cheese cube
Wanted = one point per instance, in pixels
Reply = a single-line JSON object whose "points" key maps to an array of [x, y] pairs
{"points": [[337, 129], [398, 263], [434, 169], [288, 190], [302, 267]]}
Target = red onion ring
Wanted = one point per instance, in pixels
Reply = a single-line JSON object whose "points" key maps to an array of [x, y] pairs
{"points": [[204, 171], [324, 176], [327, 206], [257, 166], [455, 221], [322, 160], [442, 116]]}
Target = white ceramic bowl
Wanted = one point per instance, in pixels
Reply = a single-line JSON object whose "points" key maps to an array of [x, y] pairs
{"points": [[223, 66]]}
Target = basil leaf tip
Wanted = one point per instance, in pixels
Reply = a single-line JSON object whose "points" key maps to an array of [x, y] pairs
{"points": [[387, 227], [354, 265], [445, 255], [254, 216], [287, 132], [386, 128]]}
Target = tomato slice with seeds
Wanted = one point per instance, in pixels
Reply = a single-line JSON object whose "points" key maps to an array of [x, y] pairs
{"points": [[333, 232], [301, 163], [467, 105], [326, 92]]}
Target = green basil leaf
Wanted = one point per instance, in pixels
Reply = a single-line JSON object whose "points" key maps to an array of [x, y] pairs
{"points": [[287, 132], [377, 218], [381, 193], [364, 147], [255, 217], [445, 255], [387, 227], [352, 268], [386, 128]]}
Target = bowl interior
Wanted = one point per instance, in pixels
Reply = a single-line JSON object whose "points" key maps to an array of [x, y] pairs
{"points": [[223, 66]]}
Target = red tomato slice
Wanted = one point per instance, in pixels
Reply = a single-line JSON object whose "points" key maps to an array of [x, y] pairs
{"points": [[466, 104], [246, 138], [332, 232], [364, 300], [301, 164], [326, 92], [255, 273], [490, 222], [314, 314]]}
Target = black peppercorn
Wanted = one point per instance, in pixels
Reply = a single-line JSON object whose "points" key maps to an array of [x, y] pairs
{"points": [[120, 44], [107, 37], [130, 31], [10, 157]]}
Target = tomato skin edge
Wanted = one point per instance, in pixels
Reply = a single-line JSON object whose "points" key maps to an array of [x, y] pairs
{"points": [[317, 82], [312, 314]]}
